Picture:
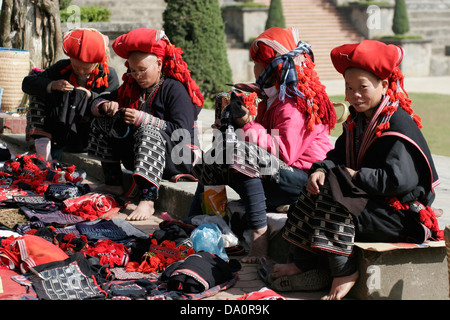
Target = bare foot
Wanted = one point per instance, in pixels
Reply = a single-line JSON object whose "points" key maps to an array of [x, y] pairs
{"points": [[341, 286], [143, 211], [259, 246], [287, 269]]}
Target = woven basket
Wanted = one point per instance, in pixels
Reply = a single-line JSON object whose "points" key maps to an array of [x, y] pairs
{"points": [[447, 246], [14, 66]]}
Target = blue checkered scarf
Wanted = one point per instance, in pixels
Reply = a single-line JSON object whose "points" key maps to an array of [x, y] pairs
{"points": [[289, 77]]}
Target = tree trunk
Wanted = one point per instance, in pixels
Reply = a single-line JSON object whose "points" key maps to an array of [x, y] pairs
{"points": [[32, 25]]}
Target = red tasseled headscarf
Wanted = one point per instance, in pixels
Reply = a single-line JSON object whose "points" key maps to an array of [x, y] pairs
{"points": [[380, 59], [87, 45], [155, 42], [278, 41]]}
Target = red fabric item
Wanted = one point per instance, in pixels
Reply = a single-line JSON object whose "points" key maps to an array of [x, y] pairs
{"points": [[159, 256], [35, 251], [315, 103], [92, 206], [155, 42], [141, 39], [374, 56], [380, 59], [10, 289], [429, 220], [87, 45], [109, 253], [262, 294], [9, 258], [263, 52]]}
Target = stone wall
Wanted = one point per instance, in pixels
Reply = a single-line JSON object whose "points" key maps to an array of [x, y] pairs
{"points": [[429, 19], [417, 59]]}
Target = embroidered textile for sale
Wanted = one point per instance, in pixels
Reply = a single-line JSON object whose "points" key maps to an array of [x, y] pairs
{"points": [[60, 241]]}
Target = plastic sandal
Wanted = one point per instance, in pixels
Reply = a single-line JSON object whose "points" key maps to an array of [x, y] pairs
{"points": [[265, 269], [312, 280]]}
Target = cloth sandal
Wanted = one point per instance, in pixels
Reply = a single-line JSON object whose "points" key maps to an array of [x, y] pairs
{"points": [[311, 280]]}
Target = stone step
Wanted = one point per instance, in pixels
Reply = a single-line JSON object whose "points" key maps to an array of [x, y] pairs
{"points": [[431, 23], [424, 15], [391, 271], [427, 5], [321, 25]]}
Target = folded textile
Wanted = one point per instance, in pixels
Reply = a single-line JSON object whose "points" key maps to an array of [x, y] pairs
{"points": [[199, 272], [172, 232], [61, 192], [112, 229], [30, 251], [12, 290], [109, 253], [69, 279], [52, 216], [11, 217], [93, 206]]}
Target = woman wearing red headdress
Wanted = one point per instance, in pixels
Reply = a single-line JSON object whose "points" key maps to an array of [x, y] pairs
{"points": [[290, 132], [59, 118], [148, 124], [376, 185]]}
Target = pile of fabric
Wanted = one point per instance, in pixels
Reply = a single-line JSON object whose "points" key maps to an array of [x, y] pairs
{"points": [[59, 241]]}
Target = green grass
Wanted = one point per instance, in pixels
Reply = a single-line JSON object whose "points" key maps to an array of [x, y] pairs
{"points": [[434, 109]]}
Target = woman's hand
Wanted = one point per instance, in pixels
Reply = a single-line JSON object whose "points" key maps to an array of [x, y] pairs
{"points": [[240, 122], [62, 85], [316, 179], [130, 115], [88, 93], [351, 171], [109, 108]]}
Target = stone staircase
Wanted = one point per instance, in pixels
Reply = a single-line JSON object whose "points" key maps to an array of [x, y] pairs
{"points": [[431, 20], [321, 25], [318, 21]]}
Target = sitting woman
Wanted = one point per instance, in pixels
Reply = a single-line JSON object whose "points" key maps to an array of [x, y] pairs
{"points": [[277, 148], [148, 124], [375, 185], [59, 118]]}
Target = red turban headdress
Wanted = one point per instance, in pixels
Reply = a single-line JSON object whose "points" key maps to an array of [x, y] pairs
{"points": [[374, 56], [155, 42], [87, 45], [382, 60], [309, 92], [272, 42]]}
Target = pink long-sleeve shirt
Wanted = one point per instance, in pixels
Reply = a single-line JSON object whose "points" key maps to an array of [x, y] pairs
{"points": [[282, 130]]}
